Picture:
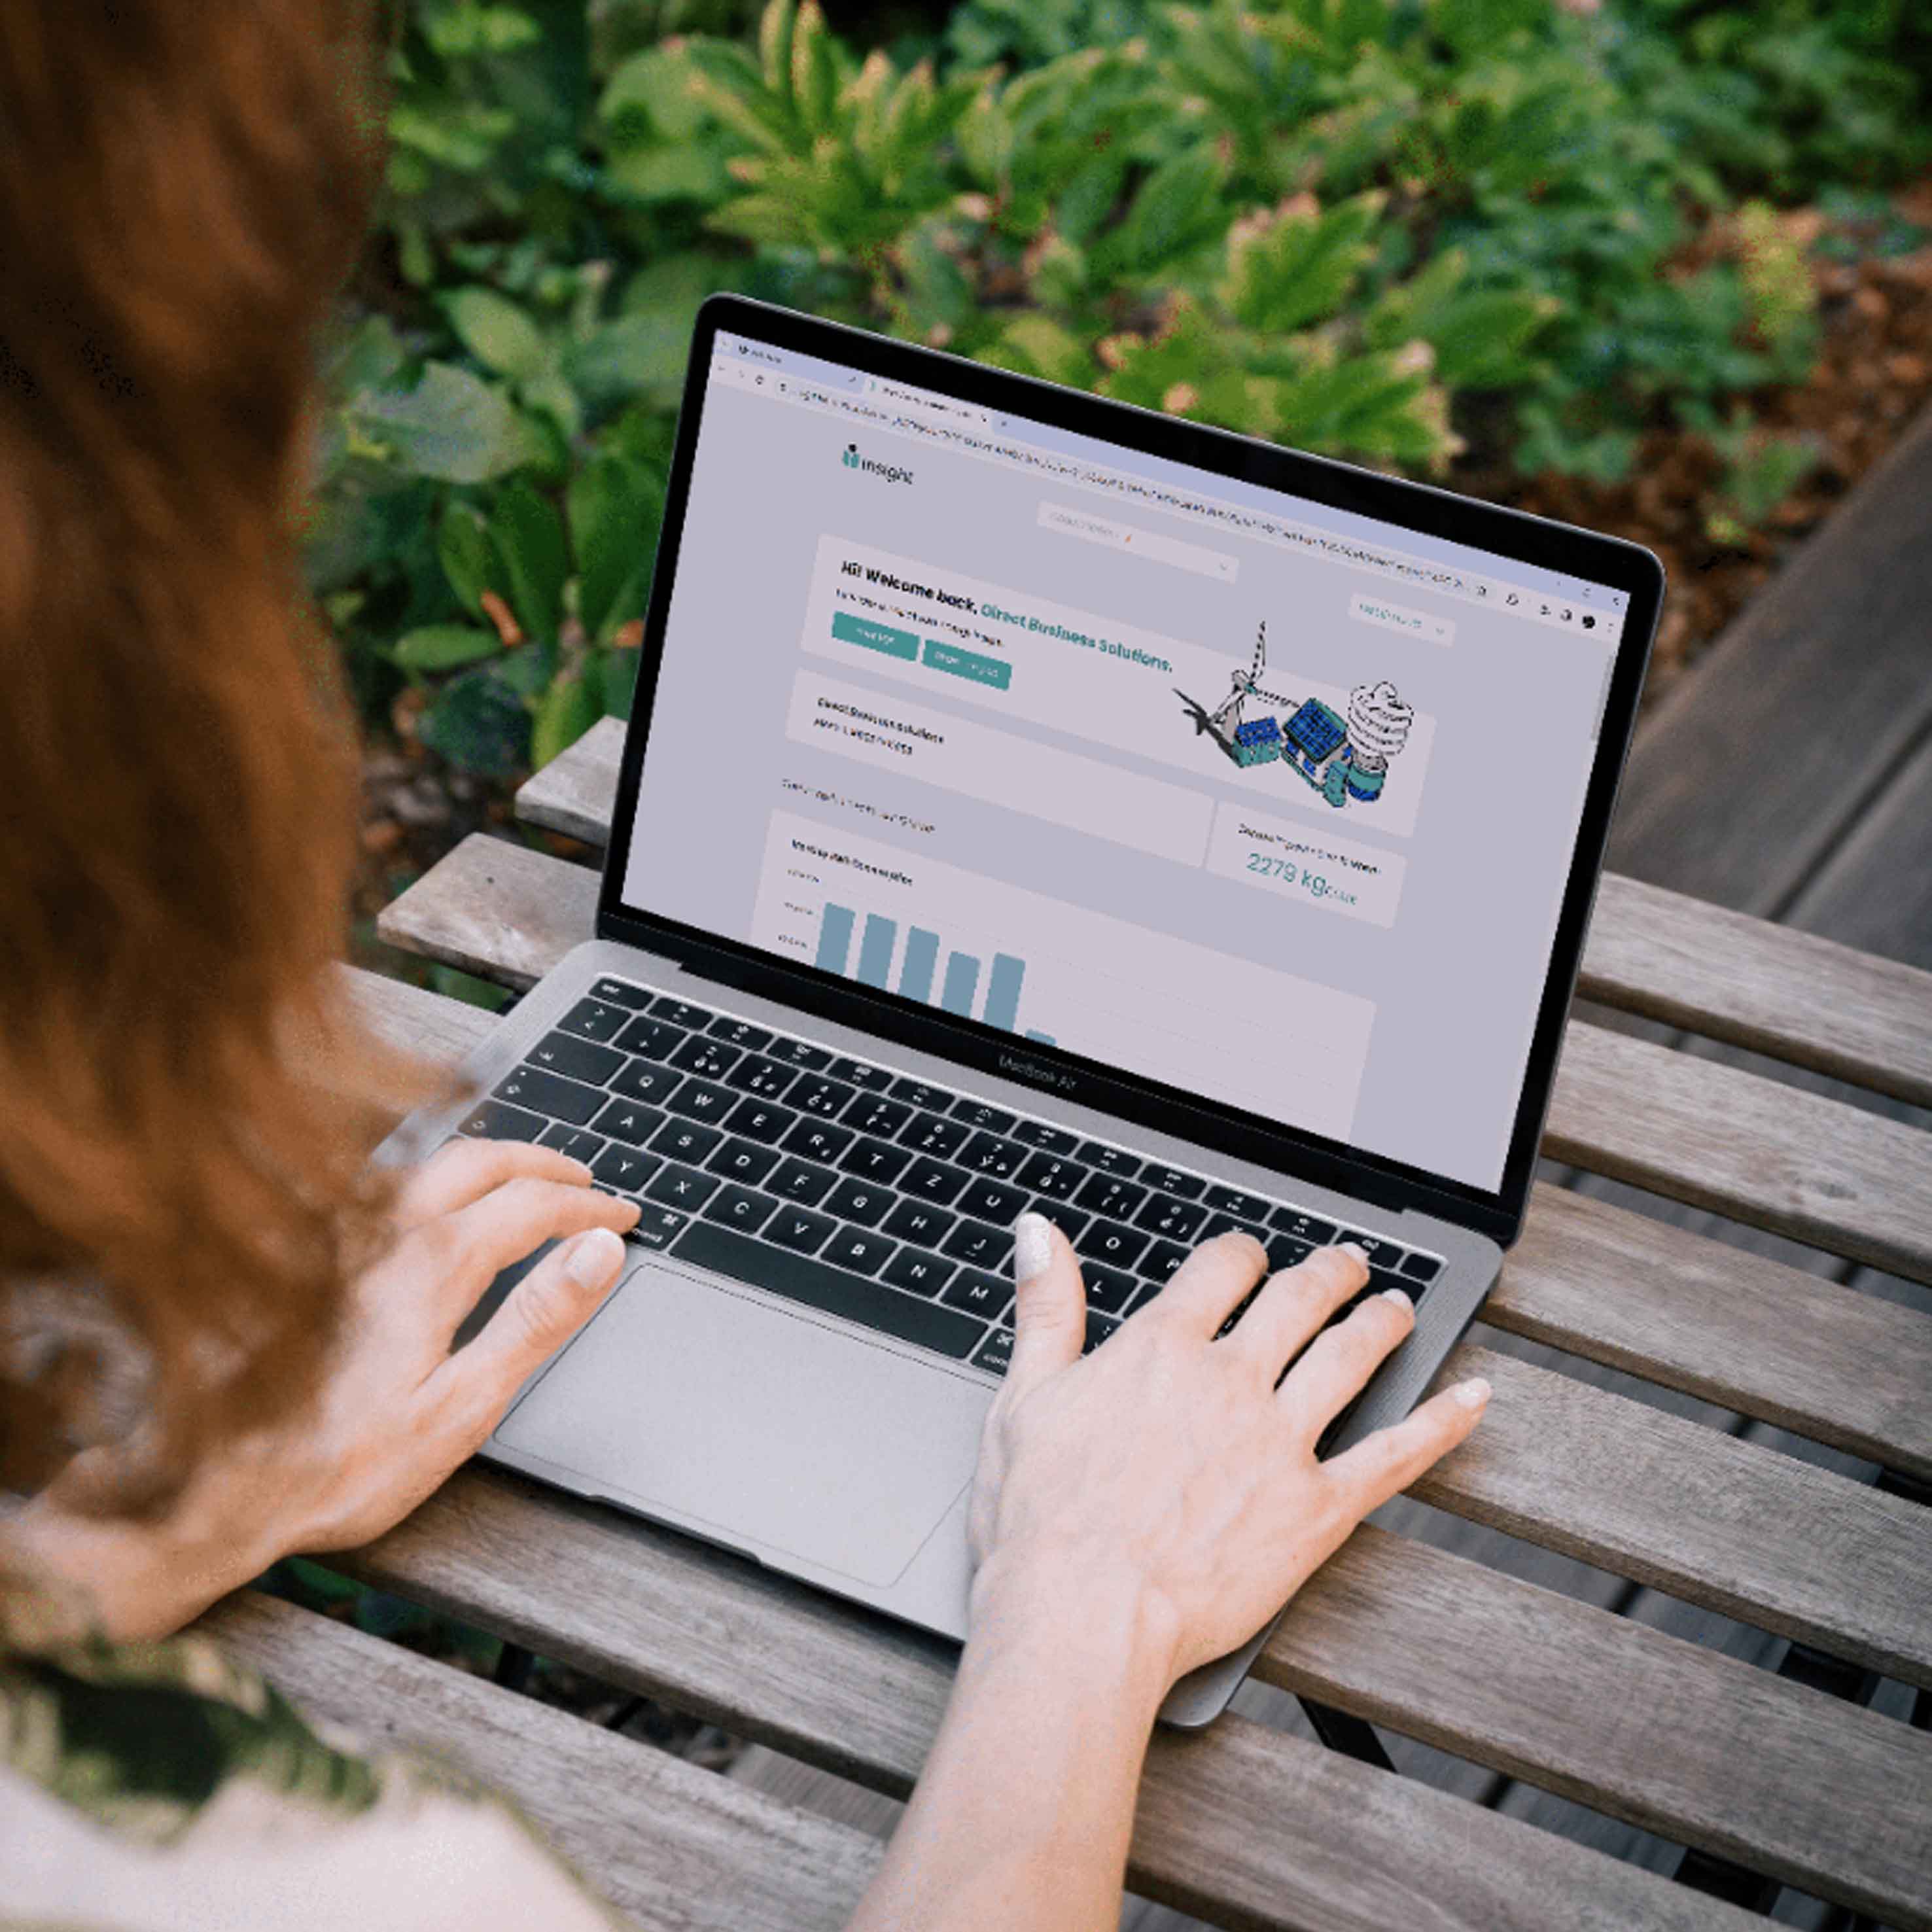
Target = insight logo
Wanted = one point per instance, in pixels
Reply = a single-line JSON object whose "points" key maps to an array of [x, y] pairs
{"points": [[891, 472]]}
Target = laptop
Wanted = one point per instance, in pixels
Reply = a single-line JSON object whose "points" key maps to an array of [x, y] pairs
{"points": [[1031, 801]]}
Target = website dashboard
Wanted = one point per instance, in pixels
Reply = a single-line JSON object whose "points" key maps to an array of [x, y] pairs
{"points": [[1233, 792]]}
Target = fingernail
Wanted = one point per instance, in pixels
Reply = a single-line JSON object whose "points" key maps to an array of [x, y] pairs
{"points": [[1396, 1295], [1033, 1246], [594, 1257], [1355, 1251], [1471, 1394]]}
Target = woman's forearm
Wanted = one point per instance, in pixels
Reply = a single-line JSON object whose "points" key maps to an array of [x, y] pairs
{"points": [[1024, 1811]]}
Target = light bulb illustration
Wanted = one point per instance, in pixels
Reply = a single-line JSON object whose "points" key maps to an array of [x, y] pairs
{"points": [[1379, 723]]}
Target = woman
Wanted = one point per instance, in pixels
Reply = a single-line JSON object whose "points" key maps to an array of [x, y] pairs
{"points": [[225, 1340]]}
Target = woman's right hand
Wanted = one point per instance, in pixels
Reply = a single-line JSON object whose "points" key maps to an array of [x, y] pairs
{"points": [[1165, 1474]]}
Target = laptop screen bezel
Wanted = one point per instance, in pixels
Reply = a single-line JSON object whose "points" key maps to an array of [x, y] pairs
{"points": [[973, 1046]]}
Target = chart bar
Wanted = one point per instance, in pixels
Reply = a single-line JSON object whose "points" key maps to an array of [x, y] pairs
{"points": [[835, 938], [875, 950], [1045, 1038], [922, 955], [962, 980], [1003, 992]]}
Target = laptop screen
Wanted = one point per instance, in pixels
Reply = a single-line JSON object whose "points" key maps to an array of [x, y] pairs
{"points": [[1241, 793]]}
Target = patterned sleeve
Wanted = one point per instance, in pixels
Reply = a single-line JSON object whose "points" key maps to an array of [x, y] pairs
{"points": [[164, 1788]]}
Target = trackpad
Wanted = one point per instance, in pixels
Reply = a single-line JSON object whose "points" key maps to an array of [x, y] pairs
{"points": [[755, 1425]]}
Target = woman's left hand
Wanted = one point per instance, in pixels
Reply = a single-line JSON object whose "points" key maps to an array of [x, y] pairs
{"points": [[394, 1411]]}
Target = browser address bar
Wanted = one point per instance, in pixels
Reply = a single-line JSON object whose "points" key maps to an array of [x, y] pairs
{"points": [[1116, 536]]}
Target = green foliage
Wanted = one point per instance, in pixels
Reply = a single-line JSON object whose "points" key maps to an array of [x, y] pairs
{"points": [[1343, 223]]}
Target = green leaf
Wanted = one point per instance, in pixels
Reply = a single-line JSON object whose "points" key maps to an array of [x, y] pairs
{"points": [[636, 354], [620, 674], [614, 507], [496, 332], [445, 646], [468, 558], [478, 725], [1294, 266], [468, 30], [658, 81], [529, 536], [1176, 206], [452, 426], [565, 712]]}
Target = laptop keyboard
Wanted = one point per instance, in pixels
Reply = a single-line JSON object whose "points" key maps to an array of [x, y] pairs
{"points": [[888, 1200]]}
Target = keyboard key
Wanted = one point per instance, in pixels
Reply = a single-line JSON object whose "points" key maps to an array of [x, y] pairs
{"points": [[1160, 1260], [980, 1293], [1173, 1180], [1108, 1289], [630, 1121], [856, 1073], [817, 1140], [686, 1140], [620, 993], [923, 1225], [682, 1013], [581, 1059], [874, 1161], [577, 1142], [1107, 1194], [683, 1187], [995, 1352], [1423, 1267], [783, 1270], [992, 1119], [1378, 1248], [933, 1180], [1284, 1251], [493, 1121], [975, 1243], [743, 1161], [703, 1055], [740, 1033], [1310, 1228], [917, 1274], [1233, 1321], [992, 1201], [873, 1113], [643, 1080], [1380, 1278], [919, 1093], [1069, 1220], [796, 1053], [702, 1100], [819, 1093], [1049, 1174], [757, 1073], [859, 1201], [859, 1249], [1052, 1140], [551, 1093], [799, 1180], [760, 1120], [1099, 1327], [624, 1170], [1173, 1220], [1109, 1159], [1243, 1207], [928, 1133], [594, 1019], [657, 1226], [654, 1039], [1226, 1224], [987, 1153], [741, 1207], [799, 1229], [1108, 1241]]}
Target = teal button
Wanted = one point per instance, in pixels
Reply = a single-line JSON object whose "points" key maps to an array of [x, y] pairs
{"points": [[850, 630], [974, 664]]}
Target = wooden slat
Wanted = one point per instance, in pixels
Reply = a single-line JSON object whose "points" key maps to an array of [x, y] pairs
{"points": [[469, 1551], [668, 1845], [1758, 1536], [1683, 961], [1852, 1183], [1752, 1335]]}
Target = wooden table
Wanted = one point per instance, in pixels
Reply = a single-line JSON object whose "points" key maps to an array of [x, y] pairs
{"points": [[1246, 1825]]}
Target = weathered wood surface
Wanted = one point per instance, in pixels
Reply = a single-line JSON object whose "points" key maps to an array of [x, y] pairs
{"points": [[1830, 1007], [670, 1846], [1840, 634], [1841, 1179], [1609, 1699]]}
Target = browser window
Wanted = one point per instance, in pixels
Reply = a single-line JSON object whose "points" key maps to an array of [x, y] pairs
{"points": [[1241, 793]]}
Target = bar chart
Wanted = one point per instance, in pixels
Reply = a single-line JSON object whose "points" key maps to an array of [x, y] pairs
{"points": [[878, 947]]}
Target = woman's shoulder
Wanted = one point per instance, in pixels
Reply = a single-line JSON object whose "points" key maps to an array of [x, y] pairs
{"points": [[165, 1786]]}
